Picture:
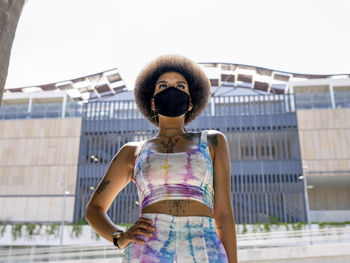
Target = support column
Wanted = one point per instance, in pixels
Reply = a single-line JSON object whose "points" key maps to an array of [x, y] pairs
{"points": [[331, 93], [64, 103], [292, 98], [29, 113]]}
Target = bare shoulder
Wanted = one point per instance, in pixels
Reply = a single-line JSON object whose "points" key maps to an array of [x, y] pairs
{"points": [[133, 146], [129, 152], [217, 142]]}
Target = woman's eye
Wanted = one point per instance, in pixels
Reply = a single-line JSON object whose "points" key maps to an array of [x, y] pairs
{"points": [[181, 86], [162, 86]]}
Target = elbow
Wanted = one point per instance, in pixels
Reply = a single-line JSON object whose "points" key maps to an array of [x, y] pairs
{"points": [[89, 211], [225, 216]]}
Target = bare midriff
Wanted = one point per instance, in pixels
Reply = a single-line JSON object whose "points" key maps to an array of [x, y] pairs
{"points": [[179, 208]]}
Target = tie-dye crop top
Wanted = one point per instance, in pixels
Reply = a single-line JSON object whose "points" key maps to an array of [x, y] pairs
{"points": [[174, 176]]}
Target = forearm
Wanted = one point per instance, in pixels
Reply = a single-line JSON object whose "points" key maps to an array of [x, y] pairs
{"points": [[101, 223], [226, 230]]}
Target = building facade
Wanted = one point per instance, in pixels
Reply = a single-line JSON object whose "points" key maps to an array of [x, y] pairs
{"points": [[288, 137]]}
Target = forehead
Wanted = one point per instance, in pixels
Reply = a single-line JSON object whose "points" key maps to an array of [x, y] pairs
{"points": [[171, 76]]}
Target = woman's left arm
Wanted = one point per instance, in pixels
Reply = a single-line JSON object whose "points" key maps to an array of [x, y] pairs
{"points": [[223, 213]]}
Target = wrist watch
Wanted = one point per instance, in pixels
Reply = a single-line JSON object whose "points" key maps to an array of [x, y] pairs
{"points": [[116, 235]]}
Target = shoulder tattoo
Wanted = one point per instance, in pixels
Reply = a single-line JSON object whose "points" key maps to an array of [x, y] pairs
{"points": [[213, 139]]}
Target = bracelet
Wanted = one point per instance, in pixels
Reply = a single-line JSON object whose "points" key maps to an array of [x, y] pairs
{"points": [[116, 235]]}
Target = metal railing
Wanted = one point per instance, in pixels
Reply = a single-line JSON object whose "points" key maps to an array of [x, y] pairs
{"points": [[60, 254], [322, 100], [303, 237], [42, 110], [251, 104], [108, 253], [342, 99]]}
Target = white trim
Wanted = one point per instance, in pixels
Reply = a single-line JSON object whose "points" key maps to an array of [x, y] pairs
{"points": [[34, 95], [325, 82]]}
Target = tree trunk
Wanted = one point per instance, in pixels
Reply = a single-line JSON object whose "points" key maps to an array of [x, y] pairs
{"points": [[10, 11]]}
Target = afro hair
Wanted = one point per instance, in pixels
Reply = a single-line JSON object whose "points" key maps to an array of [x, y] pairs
{"points": [[198, 83]]}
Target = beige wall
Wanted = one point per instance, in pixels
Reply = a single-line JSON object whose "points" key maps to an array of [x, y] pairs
{"points": [[324, 136], [34, 155]]}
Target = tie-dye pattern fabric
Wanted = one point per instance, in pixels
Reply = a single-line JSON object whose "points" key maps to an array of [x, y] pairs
{"points": [[183, 239], [175, 176]]}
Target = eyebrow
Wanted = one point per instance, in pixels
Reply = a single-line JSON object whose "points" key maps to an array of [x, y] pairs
{"points": [[163, 81]]}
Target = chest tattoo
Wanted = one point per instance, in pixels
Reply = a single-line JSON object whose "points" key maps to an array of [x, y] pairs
{"points": [[170, 143]]}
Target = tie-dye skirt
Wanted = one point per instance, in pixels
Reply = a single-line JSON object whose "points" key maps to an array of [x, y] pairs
{"points": [[178, 239]]}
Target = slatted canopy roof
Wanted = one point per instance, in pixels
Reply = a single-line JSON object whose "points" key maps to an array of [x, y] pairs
{"points": [[259, 80], [99, 85]]}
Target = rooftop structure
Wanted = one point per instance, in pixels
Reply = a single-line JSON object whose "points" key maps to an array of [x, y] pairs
{"points": [[65, 98]]}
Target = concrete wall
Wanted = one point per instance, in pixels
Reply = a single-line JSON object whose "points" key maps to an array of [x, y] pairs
{"points": [[330, 215], [329, 199], [35, 154], [325, 148]]}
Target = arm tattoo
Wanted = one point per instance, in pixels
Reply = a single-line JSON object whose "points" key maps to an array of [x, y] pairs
{"points": [[102, 186]]}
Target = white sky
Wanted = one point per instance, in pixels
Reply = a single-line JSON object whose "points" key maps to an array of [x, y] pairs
{"points": [[58, 40]]}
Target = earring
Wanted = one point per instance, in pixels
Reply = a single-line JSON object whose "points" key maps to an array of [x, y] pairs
{"points": [[154, 116]]}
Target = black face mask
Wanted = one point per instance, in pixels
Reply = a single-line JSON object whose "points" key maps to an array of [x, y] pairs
{"points": [[172, 102]]}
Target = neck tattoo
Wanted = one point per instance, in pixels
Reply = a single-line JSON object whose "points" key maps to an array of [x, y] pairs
{"points": [[169, 145]]}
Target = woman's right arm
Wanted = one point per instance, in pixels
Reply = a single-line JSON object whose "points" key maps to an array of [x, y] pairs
{"points": [[117, 176]]}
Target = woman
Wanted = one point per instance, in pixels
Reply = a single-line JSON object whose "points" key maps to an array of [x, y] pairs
{"points": [[183, 178]]}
